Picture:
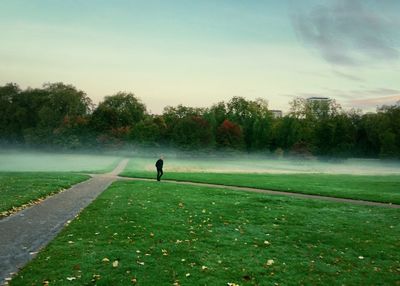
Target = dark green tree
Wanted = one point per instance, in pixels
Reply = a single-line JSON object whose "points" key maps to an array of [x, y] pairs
{"points": [[119, 110]]}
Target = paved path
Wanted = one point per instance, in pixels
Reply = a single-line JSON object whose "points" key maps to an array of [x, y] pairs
{"points": [[280, 193], [26, 232]]}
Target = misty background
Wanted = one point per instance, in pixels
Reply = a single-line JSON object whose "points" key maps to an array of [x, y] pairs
{"points": [[62, 117]]}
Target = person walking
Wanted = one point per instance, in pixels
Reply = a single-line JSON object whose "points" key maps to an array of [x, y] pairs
{"points": [[159, 166]]}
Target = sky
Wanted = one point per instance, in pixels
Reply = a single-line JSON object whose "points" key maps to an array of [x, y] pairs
{"points": [[198, 53]]}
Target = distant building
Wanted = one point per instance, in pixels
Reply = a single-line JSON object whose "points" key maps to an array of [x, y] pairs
{"points": [[318, 99], [319, 106], [276, 113]]}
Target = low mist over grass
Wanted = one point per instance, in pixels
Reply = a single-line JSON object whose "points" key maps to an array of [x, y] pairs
{"points": [[23, 161], [259, 163], [143, 159]]}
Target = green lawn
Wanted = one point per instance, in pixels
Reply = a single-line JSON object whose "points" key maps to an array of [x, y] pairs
{"points": [[385, 188], [150, 233], [17, 189]]}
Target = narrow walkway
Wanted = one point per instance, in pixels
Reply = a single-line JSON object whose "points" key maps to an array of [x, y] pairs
{"points": [[279, 193], [23, 234]]}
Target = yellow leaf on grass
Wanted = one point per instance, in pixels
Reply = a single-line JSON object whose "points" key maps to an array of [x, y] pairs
{"points": [[270, 262]]}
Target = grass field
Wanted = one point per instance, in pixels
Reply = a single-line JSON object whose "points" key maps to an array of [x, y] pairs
{"points": [[18, 189], [373, 188], [149, 233]]}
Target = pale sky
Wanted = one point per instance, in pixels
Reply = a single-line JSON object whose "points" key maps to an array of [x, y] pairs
{"points": [[197, 53]]}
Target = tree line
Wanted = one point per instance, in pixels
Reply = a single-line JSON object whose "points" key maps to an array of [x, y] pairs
{"points": [[62, 116]]}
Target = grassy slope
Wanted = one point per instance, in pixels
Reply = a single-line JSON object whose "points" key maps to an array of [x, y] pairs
{"points": [[372, 188], [17, 189], [159, 233]]}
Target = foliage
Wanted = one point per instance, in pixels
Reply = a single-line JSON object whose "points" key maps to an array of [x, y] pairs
{"points": [[147, 233], [229, 135], [61, 115], [116, 111]]}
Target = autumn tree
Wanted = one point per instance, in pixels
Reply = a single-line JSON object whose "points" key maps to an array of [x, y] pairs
{"points": [[229, 135]]}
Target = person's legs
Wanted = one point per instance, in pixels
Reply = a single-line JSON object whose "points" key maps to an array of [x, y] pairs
{"points": [[159, 174]]}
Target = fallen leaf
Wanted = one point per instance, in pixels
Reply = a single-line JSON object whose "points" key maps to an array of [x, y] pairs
{"points": [[270, 262], [105, 259], [71, 278]]}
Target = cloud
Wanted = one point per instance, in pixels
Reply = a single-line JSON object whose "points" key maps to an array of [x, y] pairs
{"points": [[375, 102], [348, 76], [347, 32]]}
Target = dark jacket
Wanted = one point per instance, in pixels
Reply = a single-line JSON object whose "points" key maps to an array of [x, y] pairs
{"points": [[159, 164]]}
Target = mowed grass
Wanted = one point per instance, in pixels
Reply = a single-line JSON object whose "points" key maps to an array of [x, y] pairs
{"points": [[382, 188], [17, 189], [149, 233]]}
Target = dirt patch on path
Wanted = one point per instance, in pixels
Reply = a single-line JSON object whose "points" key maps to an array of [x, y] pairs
{"points": [[25, 233]]}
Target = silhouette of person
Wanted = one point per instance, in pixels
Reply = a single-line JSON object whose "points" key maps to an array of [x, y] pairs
{"points": [[159, 166]]}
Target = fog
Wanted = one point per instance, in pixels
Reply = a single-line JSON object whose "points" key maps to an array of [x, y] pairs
{"points": [[236, 162], [178, 161], [265, 164], [39, 161]]}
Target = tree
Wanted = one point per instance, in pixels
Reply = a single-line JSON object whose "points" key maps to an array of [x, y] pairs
{"points": [[314, 109], [7, 95], [286, 132], [62, 100], [177, 120], [119, 110], [192, 132], [150, 131], [229, 135], [247, 114]]}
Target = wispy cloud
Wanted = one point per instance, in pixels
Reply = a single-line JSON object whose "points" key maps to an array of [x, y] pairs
{"points": [[347, 32], [374, 102], [348, 76]]}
